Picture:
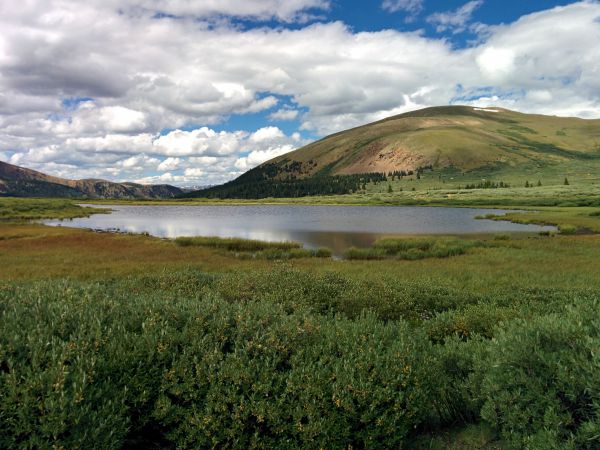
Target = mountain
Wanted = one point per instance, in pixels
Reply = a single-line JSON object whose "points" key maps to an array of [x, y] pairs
{"points": [[446, 140], [20, 182]]}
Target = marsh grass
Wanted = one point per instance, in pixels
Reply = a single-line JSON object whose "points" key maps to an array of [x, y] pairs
{"points": [[21, 209], [567, 229], [273, 254], [413, 249], [235, 244], [252, 249]]}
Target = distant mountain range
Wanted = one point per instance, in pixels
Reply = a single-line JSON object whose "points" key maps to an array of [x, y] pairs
{"points": [[20, 182], [444, 140]]}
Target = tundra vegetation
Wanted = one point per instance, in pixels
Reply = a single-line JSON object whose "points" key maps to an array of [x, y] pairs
{"points": [[129, 341]]}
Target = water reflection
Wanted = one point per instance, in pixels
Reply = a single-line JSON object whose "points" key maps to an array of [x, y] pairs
{"points": [[335, 227]]}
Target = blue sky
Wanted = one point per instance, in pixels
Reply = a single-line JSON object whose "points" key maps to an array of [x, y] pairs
{"points": [[195, 93]]}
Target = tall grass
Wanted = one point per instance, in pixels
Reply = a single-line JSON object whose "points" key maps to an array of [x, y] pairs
{"points": [[235, 244], [16, 209], [253, 249], [413, 248]]}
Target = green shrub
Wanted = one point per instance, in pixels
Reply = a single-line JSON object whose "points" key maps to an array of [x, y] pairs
{"points": [[235, 244], [322, 252], [541, 381], [412, 248], [87, 366], [262, 378], [80, 370], [479, 319], [457, 400], [364, 253], [567, 229]]}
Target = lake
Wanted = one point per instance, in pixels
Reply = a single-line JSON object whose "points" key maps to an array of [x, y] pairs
{"points": [[335, 227]]}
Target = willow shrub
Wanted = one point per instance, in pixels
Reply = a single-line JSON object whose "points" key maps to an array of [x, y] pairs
{"points": [[413, 248], [263, 378], [541, 379], [93, 366]]}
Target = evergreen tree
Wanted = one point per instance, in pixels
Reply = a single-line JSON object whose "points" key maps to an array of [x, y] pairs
{"points": [[390, 190], [566, 181]]}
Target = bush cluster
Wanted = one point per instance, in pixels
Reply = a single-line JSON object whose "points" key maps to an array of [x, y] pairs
{"points": [[413, 248], [86, 367], [253, 249], [292, 359]]}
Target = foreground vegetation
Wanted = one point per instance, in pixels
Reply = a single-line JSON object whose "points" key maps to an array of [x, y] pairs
{"points": [[128, 341], [16, 209]]}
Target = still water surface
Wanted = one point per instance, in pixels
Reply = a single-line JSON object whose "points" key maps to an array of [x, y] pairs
{"points": [[335, 227]]}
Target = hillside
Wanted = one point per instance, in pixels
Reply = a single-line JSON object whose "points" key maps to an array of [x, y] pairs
{"points": [[21, 182], [490, 143]]}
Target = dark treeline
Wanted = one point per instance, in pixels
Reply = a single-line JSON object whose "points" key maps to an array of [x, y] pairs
{"points": [[328, 185], [261, 183], [283, 181], [488, 185]]}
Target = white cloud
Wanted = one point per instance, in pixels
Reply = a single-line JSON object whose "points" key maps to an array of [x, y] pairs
{"points": [[165, 178], [169, 163], [284, 114], [411, 6], [257, 157], [456, 20], [266, 134], [497, 64], [202, 141], [194, 173], [113, 143]]}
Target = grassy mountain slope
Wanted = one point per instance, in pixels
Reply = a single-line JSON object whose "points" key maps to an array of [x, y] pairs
{"points": [[21, 182], [451, 141], [453, 136]]}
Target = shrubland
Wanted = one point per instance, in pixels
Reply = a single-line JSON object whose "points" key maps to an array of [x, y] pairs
{"points": [[127, 341]]}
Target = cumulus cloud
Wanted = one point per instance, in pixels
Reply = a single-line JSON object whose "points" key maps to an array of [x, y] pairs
{"points": [[456, 20], [169, 163], [257, 157], [410, 6], [284, 114], [203, 141], [80, 96]]}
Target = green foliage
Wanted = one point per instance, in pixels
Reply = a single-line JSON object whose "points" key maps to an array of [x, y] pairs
{"points": [[412, 248], [234, 244], [36, 208], [83, 366], [567, 229], [263, 182], [252, 249], [487, 184], [541, 380]]}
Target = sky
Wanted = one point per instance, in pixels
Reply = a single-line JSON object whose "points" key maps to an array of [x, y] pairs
{"points": [[196, 92]]}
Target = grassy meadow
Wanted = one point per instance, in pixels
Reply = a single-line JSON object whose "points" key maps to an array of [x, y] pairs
{"points": [[130, 341]]}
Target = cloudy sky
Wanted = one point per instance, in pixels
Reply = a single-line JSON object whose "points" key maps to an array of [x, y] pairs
{"points": [[194, 92]]}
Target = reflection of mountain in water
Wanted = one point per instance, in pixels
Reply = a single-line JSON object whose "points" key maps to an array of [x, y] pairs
{"points": [[337, 242]]}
